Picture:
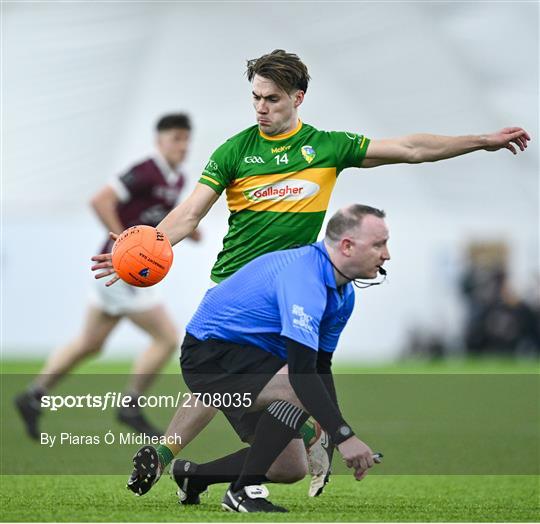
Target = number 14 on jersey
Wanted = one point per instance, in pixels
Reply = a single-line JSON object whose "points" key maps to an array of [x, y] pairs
{"points": [[282, 159]]}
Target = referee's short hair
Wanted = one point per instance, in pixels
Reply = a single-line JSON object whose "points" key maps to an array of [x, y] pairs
{"points": [[349, 218], [286, 70], [173, 121]]}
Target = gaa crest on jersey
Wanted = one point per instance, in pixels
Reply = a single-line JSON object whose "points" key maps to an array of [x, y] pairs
{"points": [[308, 153]]}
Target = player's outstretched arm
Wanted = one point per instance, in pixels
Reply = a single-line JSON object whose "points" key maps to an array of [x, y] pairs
{"points": [[181, 222], [185, 217], [414, 149]]}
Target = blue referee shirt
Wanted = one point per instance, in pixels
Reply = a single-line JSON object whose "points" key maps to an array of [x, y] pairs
{"points": [[290, 293]]}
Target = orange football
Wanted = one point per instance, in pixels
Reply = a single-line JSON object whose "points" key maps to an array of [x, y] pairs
{"points": [[142, 256]]}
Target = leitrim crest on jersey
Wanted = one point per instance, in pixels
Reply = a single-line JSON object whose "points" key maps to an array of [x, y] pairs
{"points": [[308, 153], [278, 188]]}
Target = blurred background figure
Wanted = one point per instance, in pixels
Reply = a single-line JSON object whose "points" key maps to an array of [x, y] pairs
{"points": [[498, 320], [142, 195]]}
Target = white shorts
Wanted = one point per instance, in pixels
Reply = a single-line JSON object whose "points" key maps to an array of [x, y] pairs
{"points": [[122, 299]]}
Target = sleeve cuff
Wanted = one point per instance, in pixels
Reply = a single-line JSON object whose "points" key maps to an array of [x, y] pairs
{"points": [[364, 144], [212, 183], [120, 189]]}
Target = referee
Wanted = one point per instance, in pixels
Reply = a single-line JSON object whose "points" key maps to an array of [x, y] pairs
{"points": [[265, 337]]}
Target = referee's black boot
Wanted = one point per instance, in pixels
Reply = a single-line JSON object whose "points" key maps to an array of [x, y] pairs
{"points": [[182, 472], [250, 499]]}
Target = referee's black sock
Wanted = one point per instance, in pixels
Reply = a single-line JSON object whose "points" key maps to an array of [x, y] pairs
{"points": [[278, 425], [225, 469]]}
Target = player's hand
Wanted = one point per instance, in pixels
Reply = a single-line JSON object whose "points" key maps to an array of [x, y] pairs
{"points": [[104, 264], [508, 138], [357, 455]]}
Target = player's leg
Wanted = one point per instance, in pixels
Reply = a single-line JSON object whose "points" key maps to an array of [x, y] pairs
{"points": [[202, 361], [157, 322], [188, 421], [164, 342], [97, 327], [186, 424]]}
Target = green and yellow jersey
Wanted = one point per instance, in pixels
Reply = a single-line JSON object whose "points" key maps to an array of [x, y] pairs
{"points": [[278, 188]]}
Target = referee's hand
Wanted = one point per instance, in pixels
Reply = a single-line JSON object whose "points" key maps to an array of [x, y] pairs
{"points": [[357, 455]]}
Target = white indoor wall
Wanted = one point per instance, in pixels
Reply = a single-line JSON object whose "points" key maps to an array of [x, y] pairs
{"points": [[83, 84]]}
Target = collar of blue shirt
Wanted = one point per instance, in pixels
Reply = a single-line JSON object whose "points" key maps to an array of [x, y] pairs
{"points": [[329, 275]]}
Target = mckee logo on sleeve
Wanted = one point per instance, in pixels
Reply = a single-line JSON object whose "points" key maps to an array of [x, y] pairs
{"points": [[291, 189]]}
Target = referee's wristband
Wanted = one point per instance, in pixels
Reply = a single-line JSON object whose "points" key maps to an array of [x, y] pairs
{"points": [[342, 433]]}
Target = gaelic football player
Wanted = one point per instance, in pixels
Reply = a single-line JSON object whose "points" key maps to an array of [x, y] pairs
{"points": [[144, 194]]}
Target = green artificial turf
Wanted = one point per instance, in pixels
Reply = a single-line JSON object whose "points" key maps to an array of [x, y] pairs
{"points": [[376, 498], [447, 365], [461, 441]]}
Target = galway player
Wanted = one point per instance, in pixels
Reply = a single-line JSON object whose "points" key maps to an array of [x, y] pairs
{"points": [[143, 195]]}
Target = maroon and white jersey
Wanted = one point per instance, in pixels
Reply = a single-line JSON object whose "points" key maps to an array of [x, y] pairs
{"points": [[146, 193]]}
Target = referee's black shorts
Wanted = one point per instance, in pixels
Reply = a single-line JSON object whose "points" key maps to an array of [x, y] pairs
{"points": [[228, 371]]}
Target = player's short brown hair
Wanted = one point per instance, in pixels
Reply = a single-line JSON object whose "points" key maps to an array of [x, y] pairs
{"points": [[286, 70], [349, 218], [173, 121]]}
